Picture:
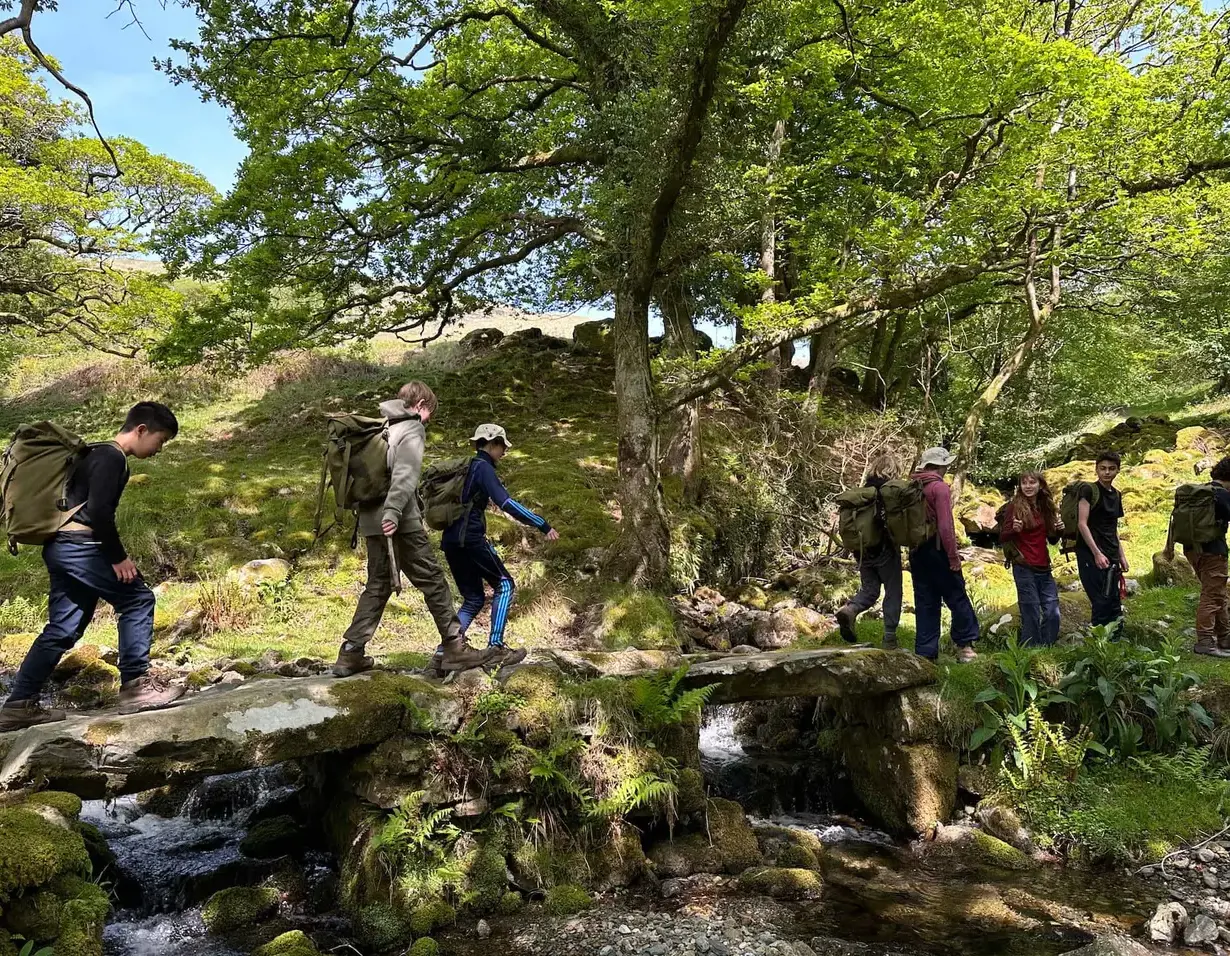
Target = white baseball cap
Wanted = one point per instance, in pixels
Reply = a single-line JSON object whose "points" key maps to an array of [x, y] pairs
{"points": [[937, 456], [490, 432]]}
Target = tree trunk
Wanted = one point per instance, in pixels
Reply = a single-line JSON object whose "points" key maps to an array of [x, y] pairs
{"points": [[640, 555], [873, 386], [768, 248], [823, 355], [683, 423]]}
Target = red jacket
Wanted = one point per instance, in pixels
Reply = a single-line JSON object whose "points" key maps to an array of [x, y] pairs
{"points": [[939, 508], [1031, 541]]}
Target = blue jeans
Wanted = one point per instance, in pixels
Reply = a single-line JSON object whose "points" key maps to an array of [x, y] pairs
{"points": [[80, 576], [1037, 595], [935, 583]]}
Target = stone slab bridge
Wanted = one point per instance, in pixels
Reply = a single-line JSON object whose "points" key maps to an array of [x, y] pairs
{"points": [[885, 695]]}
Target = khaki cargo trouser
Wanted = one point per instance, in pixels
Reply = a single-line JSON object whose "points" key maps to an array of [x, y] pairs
{"points": [[416, 559], [1213, 611]]}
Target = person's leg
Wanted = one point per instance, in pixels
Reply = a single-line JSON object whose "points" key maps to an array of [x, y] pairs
{"points": [[469, 582], [369, 610], [926, 602], [1095, 582], [867, 595], [1029, 602], [419, 564], [70, 607], [1048, 593], [890, 575], [488, 562], [965, 631], [1221, 600]]}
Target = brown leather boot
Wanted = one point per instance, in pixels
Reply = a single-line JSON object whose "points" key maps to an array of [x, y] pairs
{"points": [[458, 655], [148, 693], [505, 656], [19, 714], [351, 662]]}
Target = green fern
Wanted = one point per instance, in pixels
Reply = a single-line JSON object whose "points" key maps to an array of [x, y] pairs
{"points": [[1043, 753], [657, 702], [635, 793]]}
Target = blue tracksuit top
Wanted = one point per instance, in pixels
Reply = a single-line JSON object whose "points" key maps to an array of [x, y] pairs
{"points": [[483, 485]]}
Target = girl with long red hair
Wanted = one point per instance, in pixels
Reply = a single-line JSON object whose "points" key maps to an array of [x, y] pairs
{"points": [[1031, 520]]}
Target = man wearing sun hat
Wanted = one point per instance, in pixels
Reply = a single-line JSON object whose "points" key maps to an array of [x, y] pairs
{"points": [[470, 555], [935, 566]]}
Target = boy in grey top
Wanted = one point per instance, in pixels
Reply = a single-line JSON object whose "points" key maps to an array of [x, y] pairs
{"points": [[394, 527]]}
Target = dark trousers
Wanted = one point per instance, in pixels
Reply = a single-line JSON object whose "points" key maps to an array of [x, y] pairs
{"points": [[80, 577], [474, 566], [1037, 596], [881, 569], [416, 559], [936, 584], [1101, 587]]}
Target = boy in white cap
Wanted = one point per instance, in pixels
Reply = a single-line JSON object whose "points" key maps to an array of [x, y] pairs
{"points": [[935, 567], [469, 553]]}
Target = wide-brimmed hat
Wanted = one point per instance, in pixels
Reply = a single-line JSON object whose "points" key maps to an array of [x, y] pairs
{"points": [[937, 456], [490, 432]]}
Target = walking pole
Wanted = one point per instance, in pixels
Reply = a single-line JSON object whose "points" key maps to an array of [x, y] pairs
{"points": [[388, 543]]}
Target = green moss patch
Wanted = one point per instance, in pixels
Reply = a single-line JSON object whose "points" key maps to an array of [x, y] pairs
{"points": [[294, 943], [567, 899], [37, 844], [239, 907], [429, 917], [274, 837], [424, 947], [379, 926], [782, 882]]}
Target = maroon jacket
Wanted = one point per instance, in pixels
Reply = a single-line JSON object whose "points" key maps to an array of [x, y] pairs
{"points": [[939, 508]]}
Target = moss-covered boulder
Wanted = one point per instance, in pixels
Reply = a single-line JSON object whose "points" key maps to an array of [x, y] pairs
{"points": [[906, 787], [271, 838], [266, 571], [510, 903], [294, 943], [690, 785], [1176, 572], [38, 843], [75, 661], [782, 883], [424, 947], [97, 684], [380, 927], [619, 861], [35, 915], [685, 855], [82, 919], [791, 848], [594, 338], [733, 836], [567, 900], [429, 917], [239, 907], [542, 700], [972, 848]]}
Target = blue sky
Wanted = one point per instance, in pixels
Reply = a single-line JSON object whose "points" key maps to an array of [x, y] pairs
{"points": [[113, 62]]}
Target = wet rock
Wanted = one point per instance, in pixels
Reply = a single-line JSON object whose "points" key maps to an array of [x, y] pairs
{"points": [[967, 846], [1199, 931], [238, 907], [1003, 822], [1168, 923], [1111, 946], [976, 781]]}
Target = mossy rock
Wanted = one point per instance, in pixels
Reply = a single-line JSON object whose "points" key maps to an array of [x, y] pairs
{"points": [[37, 844], [294, 943], [97, 684], [906, 787], [567, 900], [510, 903], [239, 907], [543, 701], [691, 791], [594, 338], [783, 883], [76, 661], [486, 879], [14, 647], [618, 862], [424, 947], [733, 836], [102, 858], [639, 619], [270, 838], [81, 924], [1175, 573], [379, 927], [7, 946], [429, 917], [202, 677], [971, 847], [68, 804], [753, 596], [791, 848], [35, 915], [685, 855]]}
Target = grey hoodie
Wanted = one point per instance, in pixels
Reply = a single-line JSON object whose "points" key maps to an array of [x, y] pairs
{"points": [[407, 438]]}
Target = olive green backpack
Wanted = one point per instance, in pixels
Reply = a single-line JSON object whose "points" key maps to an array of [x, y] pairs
{"points": [[34, 476], [858, 519], [1069, 512], [1193, 522], [905, 513], [355, 466], [442, 488]]}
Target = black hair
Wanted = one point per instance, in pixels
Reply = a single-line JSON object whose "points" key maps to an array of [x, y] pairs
{"points": [[1221, 471], [1111, 456], [481, 443], [155, 416]]}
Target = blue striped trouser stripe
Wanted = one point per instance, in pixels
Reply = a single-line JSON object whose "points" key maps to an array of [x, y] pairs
{"points": [[500, 606]]}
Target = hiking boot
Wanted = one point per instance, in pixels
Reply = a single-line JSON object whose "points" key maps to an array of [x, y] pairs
{"points": [[966, 654], [148, 693], [889, 643], [845, 623], [1209, 650], [505, 656], [19, 714], [351, 661], [458, 655]]}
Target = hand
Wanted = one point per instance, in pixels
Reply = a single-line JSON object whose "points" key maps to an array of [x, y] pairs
{"points": [[1058, 524], [126, 571], [1018, 525], [954, 565], [1101, 561], [1123, 565], [552, 535], [388, 527]]}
